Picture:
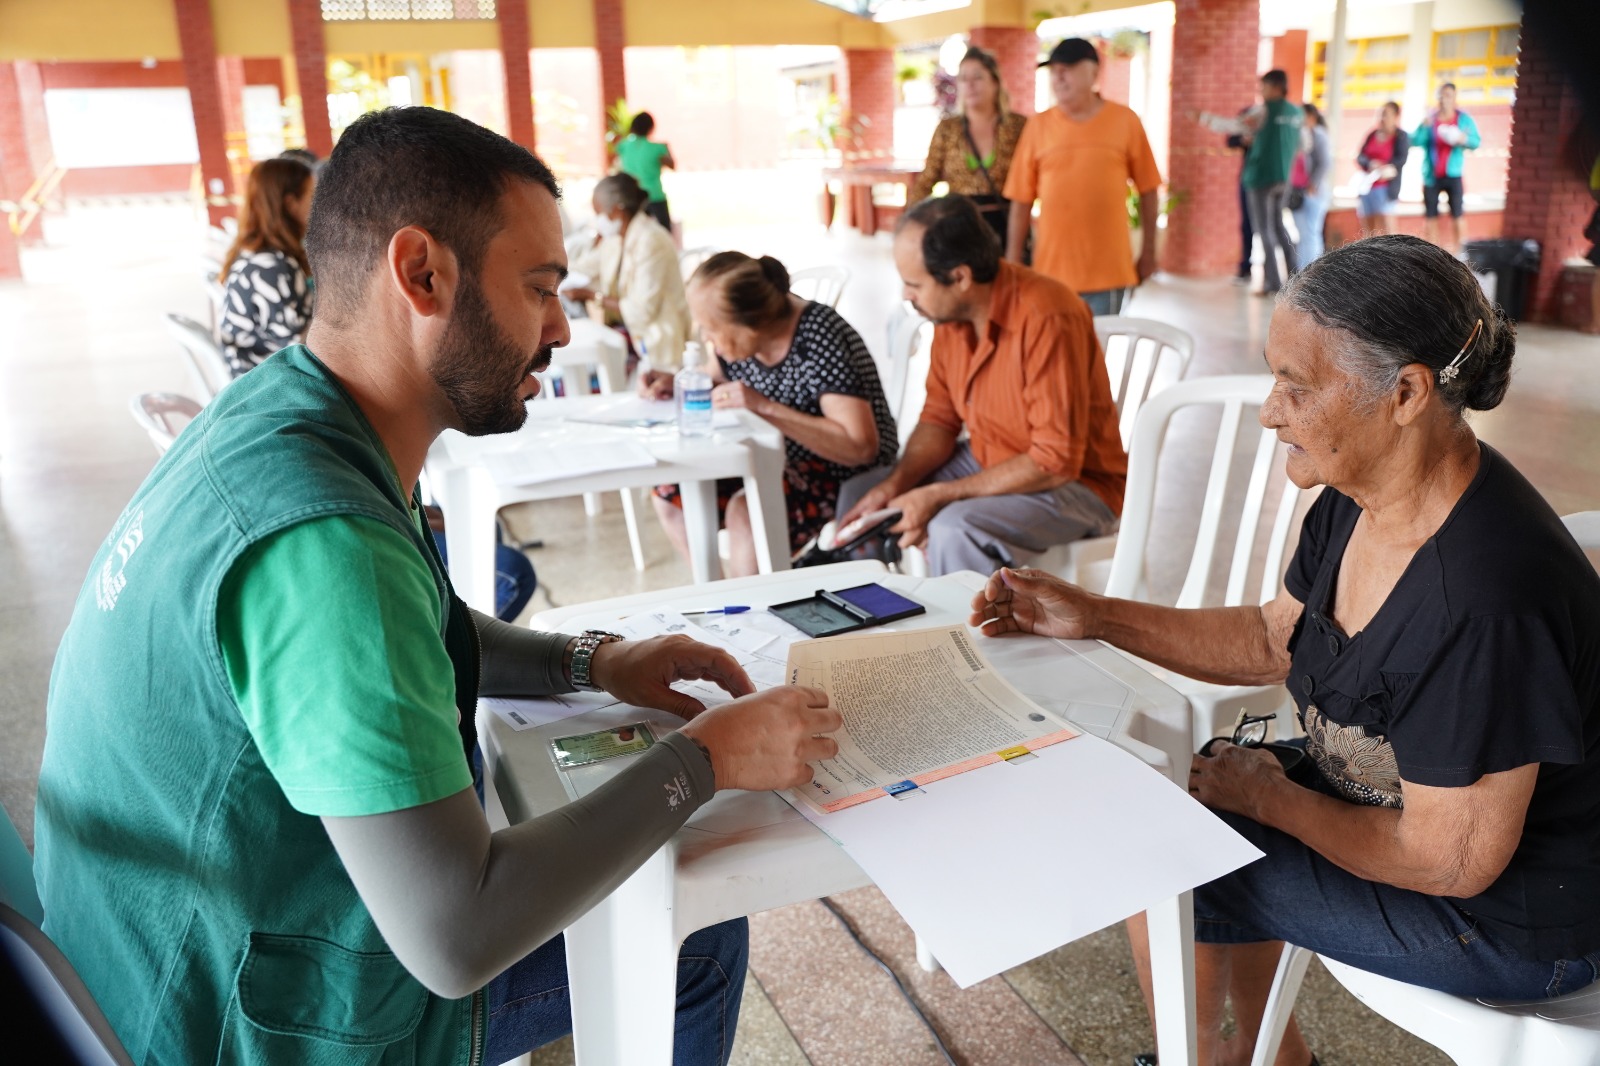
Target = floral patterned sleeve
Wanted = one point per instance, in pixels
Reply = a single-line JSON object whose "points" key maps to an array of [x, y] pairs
{"points": [[266, 306]]}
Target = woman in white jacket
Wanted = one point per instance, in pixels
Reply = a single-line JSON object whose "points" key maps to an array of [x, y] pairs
{"points": [[637, 283]]}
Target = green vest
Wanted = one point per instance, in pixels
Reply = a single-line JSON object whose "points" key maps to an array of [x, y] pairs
{"points": [[1271, 154], [211, 921]]}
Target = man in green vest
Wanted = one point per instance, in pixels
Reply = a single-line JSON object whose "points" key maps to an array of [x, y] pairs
{"points": [[1273, 145], [258, 838]]}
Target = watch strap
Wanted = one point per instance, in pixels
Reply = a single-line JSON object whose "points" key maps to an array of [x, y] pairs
{"points": [[583, 657]]}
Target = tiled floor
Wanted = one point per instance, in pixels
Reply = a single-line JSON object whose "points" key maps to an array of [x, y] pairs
{"points": [[86, 334]]}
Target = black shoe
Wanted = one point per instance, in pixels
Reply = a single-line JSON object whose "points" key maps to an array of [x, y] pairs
{"points": [[1145, 1058]]}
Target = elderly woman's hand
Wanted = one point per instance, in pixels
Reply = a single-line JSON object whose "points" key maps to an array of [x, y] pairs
{"points": [[732, 394], [1031, 601], [1235, 778]]}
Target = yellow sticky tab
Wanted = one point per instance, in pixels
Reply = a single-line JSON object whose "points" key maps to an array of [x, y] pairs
{"points": [[1011, 753]]}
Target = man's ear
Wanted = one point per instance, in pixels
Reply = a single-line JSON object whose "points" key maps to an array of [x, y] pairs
{"points": [[961, 278], [1412, 390], [421, 270]]}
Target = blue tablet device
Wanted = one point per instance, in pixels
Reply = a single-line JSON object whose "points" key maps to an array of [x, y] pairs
{"points": [[829, 613]]}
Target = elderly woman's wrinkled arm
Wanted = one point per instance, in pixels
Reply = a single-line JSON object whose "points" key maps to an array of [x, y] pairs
{"points": [[1222, 645], [1445, 841]]}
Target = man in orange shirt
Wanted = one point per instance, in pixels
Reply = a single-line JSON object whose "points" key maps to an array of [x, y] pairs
{"points": [[1015, 361], [1077, 159]]}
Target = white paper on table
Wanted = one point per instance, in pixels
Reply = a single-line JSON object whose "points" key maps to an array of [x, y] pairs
{"points": [[765, 664], [725, 419], [528, 713], [999, 865], [630, 411], [532, 465]]}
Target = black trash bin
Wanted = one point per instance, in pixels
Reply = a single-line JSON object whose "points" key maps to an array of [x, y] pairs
{"points": [[1505, 267]]}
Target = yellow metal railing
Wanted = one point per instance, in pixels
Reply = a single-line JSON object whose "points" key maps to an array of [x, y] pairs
{"points": [[22, 213]]}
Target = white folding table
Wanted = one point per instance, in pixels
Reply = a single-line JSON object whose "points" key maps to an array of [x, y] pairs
{"points": [[470, 497], [746, 852]]}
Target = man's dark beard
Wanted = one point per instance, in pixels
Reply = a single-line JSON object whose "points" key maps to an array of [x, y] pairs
{"points": [[479, 369]]}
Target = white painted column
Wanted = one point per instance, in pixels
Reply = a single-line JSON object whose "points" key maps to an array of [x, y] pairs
{"points": [[1334, 82], [1419, 90]]}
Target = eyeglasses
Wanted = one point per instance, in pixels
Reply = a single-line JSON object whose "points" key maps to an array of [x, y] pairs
{"points": [[1250, 731]]}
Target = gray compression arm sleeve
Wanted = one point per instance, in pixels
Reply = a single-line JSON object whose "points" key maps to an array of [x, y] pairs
{"points": [[458, 905], [518, 661]]}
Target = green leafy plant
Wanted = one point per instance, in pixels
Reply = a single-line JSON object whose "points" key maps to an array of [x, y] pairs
{"points": [[1173, 198], [619, 118]]}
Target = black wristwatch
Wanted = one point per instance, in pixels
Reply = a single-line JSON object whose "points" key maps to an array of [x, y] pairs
{"points": [[583, 657]]}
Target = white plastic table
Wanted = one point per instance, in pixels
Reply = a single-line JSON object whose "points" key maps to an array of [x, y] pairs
{"points": [[746, 852], [593, 345], [470, 498]]}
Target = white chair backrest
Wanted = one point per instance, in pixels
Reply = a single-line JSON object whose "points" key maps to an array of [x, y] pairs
{"points": [[824, 284], [689, 259], [163, 415], [1239, 397], [1585, 529], [905, 381], [1142, 356], [205, 356]]}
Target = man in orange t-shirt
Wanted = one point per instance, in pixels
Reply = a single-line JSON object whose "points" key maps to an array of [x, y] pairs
{"points": [[1077, 159], [1016, 363]]}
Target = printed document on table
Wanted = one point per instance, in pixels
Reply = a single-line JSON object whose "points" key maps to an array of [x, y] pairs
{"points": [[760, 653], [918, 707]]}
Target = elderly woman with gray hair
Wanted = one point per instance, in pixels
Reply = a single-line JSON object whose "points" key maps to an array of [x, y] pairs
{"points": [[636, 281], [1439, 632]]}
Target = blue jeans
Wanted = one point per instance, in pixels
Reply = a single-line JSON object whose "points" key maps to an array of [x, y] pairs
{"points": [[1105, 301], [1295, 895], [1308, 221], [529, 1007]]}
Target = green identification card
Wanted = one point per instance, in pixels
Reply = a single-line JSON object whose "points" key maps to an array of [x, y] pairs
{"points": [[585, 748]]}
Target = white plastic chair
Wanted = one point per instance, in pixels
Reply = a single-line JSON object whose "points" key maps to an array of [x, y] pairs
{"points": [[1473, 1032], [204, 354], [689, 259], [1142, 356], [824, 284], [1239, 398], [163, 415], [905, 378]]}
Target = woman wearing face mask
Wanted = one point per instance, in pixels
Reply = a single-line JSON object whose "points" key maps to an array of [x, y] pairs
{"points": [[266, 303], [800, 366], [637, 284], [972, 151]]}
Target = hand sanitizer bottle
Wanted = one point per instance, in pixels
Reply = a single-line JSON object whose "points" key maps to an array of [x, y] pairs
{"points": [[692, 386]]}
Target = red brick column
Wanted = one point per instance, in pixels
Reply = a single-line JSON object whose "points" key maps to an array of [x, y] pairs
{"points": [[311, 69], [515, 47], [1017, 49], [24, 137], [1546, 199], [1289, 56], [210, 80], [610, 38], [1116, 73], [16, 170], [866, 104], [1214, 45]]}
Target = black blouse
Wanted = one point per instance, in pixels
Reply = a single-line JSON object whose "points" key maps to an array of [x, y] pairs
{"points": [[1485, 657]]}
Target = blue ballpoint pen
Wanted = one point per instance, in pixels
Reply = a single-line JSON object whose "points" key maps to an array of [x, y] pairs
{"points": [[719, 610]]}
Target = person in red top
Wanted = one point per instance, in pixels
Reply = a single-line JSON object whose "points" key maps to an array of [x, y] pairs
{"points": [[1016, 363]]}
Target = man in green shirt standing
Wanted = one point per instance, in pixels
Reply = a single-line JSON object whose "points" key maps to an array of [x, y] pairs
{"points": [[258, 835], [1266, 175], [643, 158]]}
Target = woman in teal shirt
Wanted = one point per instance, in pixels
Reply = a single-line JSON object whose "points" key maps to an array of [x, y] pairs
{"points": [[643, 158]]}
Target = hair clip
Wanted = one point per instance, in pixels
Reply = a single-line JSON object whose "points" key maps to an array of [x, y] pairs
{"points": [[1453, 370]]}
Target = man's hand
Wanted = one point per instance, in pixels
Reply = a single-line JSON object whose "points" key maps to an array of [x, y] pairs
{"points": [[655, 384], [768, 740], [1031, 601], [917, 507], [1235, 779], [876, 499], [641, 672], [735, 394], [1147, 258]]}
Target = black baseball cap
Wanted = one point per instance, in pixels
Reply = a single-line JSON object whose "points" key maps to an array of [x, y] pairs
{"points": [[1072, 50]]}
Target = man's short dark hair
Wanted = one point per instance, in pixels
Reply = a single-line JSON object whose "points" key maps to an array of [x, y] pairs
{"points": [[643, 124], [1448, 85], [954, 234], [409, 166], [1277, 79]]}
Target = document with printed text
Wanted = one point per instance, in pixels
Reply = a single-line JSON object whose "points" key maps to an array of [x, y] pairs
{"points": [[918, 707]]}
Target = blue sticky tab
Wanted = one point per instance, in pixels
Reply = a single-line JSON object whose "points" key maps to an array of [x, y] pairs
{"points": [[902, 786]]}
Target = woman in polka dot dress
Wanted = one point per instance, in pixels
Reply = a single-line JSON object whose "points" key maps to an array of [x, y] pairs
{"points": [[798, 365]]}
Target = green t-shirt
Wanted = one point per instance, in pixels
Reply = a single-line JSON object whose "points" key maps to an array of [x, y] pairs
{"points": [[1272, 151], [330, 634], [642, 159]]}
